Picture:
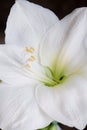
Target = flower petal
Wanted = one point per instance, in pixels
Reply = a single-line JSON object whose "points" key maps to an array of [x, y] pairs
{"points": [[11, 66], [73, 53], [50, 46], [19, 109], [66, 43], [66, 103], [27, 23]]}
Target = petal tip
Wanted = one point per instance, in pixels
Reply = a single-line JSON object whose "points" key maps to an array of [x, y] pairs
{"points": [[20, 1], [82, 9]]}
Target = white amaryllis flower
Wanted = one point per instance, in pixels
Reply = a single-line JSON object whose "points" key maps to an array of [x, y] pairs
{"points": [[43, 69]]}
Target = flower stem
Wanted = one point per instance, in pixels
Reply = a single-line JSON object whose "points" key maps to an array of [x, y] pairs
{"points": [[52, 126]]}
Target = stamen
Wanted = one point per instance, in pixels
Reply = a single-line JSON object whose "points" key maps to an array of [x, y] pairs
{"points": [[27, 66], [30, 50], [32, 58]]}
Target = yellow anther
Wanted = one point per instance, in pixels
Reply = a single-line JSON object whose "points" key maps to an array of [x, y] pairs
{"points": [[30, 50], [27, 66], [32, 58]]}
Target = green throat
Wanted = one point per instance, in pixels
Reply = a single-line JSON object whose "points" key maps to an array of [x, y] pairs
{"points": [[53, 79]]}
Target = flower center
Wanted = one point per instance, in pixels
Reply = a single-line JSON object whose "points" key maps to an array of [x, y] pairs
{"points": [[35, 70], [56, 80]]}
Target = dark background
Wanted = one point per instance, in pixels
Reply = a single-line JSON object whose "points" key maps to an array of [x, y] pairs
{"points": [[60, 7]]}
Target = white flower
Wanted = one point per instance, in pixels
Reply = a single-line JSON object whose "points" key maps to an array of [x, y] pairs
{"points": [[43, 69]]}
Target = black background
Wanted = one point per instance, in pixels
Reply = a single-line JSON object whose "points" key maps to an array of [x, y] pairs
{"points": [[60, 8]]}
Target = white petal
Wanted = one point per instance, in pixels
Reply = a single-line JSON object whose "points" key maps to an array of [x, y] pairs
{"points": [[66, 103], [50, 46], [27, 23], [11, 66], [19, 109], [64, 43], [73, 53]]}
